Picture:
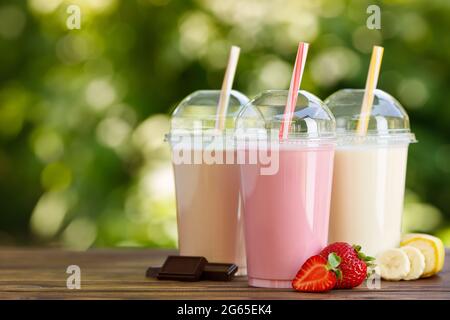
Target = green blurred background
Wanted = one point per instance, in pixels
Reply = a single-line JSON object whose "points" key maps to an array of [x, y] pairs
{"points": [[83, 112]]}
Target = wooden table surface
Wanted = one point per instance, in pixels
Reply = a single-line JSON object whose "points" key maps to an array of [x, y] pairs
{"points": [[120, 274]]}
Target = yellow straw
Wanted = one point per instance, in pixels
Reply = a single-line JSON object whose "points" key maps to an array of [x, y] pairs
{"points": [[226, 87], [371, 85]]}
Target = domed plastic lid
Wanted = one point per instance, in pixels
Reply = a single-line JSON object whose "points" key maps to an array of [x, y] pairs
{"points": [[264, 115], [388, 120], [197, 113]]}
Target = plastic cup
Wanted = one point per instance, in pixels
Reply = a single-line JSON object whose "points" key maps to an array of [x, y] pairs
{"points": [[369, 171], [208, 199], [286, 211]]}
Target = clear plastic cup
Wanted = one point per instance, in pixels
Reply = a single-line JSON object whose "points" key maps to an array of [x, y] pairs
{"points": [[207, 190], [369, 171], [286, 208]]}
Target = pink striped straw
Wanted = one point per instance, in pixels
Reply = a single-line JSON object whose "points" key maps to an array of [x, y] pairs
{"points": [[296, 79]]}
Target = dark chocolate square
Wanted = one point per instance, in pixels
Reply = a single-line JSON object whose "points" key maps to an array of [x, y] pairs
{"points": [[182, 268], [219, 271]]}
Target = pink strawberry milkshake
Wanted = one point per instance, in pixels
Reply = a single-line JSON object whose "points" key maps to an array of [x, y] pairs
{"points": [[286, 214]]}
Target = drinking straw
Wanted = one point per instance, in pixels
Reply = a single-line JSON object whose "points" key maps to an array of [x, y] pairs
{"points": [[371, 85], [226, 87], [296, 79]]}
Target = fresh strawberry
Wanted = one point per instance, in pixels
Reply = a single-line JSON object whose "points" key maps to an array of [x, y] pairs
{"points": [[353, 264], [317, 274], [342, 249], [354, 272]]}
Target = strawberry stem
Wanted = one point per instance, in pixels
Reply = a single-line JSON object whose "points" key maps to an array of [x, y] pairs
{"points": [[367, 259], [333, 262]]}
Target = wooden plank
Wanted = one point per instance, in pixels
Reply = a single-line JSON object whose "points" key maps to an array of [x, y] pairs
{"points": [[335, 295], [119, 274]]}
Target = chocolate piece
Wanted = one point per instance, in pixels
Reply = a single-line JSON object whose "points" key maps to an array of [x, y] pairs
{"points": [[219, 271], [182, 268], [185, 268]]}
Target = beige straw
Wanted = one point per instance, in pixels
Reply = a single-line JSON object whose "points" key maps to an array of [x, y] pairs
{"points": [[371, 85], [226, 87]]}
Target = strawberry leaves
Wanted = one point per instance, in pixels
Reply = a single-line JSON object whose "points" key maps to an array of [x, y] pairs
{"points": [[333, 263], [370, 261]]}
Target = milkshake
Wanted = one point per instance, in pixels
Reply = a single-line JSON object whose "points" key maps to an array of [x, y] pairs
{"points": [[375, 212], [286, 213], [209, 215], [209, 212], [369, 172]]}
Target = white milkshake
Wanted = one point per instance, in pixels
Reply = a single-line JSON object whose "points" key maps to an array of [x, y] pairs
{"points": [[374, 176], [369, 171]]}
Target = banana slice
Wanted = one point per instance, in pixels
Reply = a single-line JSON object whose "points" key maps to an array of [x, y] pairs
{"points": [[394, 264], [416, 262], [431, 247]]}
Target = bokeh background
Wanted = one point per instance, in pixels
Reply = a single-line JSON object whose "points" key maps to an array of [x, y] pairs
{"points": [[83, 112]]}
